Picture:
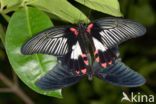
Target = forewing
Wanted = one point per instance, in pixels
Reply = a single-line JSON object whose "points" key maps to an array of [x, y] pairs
{"points": [[55, 41], [113, 31], [59, 77]]}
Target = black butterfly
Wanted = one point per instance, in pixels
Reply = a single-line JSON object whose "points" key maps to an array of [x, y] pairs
{"points": [[87, 50]]}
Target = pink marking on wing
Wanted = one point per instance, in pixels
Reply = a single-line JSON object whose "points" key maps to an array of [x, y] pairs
{"points": [[74, 31], [110, 62], [83, 55], [86, 62], [104, 65], [77, 72], [84, 71], [97, 59], [96, 52], [90, 26]]}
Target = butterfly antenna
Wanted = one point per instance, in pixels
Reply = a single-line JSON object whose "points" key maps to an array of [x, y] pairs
{"points": [[80, 17], [88, 15]]}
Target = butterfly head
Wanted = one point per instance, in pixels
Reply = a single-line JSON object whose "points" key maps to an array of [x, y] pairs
{"points": [[81, 26], [85, 28]]}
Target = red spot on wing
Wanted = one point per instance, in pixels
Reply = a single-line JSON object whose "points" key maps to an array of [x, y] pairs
{"points": [[84, 71], [77, 72], [83, 55], [90, 26], [86, 62], [96, 52], [104, 65], [98, 59], [110, 62], [74, 31]]}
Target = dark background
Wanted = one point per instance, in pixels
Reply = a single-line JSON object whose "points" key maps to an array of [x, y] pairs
{"points": [[139, 54]]}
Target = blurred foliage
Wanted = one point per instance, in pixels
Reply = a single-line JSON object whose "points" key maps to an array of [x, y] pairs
{"points": [[26, 20], [139, 54]]}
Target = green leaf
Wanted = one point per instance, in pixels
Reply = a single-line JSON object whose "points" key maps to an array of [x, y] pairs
{"points": [[110, 7], [23, 24], [9, 3], [62, 9]]}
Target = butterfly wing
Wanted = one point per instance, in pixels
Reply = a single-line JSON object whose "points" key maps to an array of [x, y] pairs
{"points": [[59, 77], [113, 31], [55, 41], [103, 55], [119, 74], [74, 60]]}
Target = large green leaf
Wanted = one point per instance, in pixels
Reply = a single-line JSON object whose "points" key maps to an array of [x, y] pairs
{"points": [[9, 3], [23, 24], [62, 9], [105, 6]]}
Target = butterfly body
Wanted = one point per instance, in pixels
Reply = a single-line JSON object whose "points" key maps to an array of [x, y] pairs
{"points": [[90, 50], [87, 47]]}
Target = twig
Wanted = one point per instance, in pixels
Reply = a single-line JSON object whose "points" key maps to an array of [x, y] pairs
{"points": [[15, 89], [2, 34], [5, 90], [15, 78], [6, 17]]}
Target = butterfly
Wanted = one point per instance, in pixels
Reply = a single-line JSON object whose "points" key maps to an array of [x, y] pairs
{"points": [[87, 50]]}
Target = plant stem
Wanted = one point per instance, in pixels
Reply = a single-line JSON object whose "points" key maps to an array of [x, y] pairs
{"points": [[15, 78], [6, 17], [15, 89], [5, 90], [2, 34]]}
